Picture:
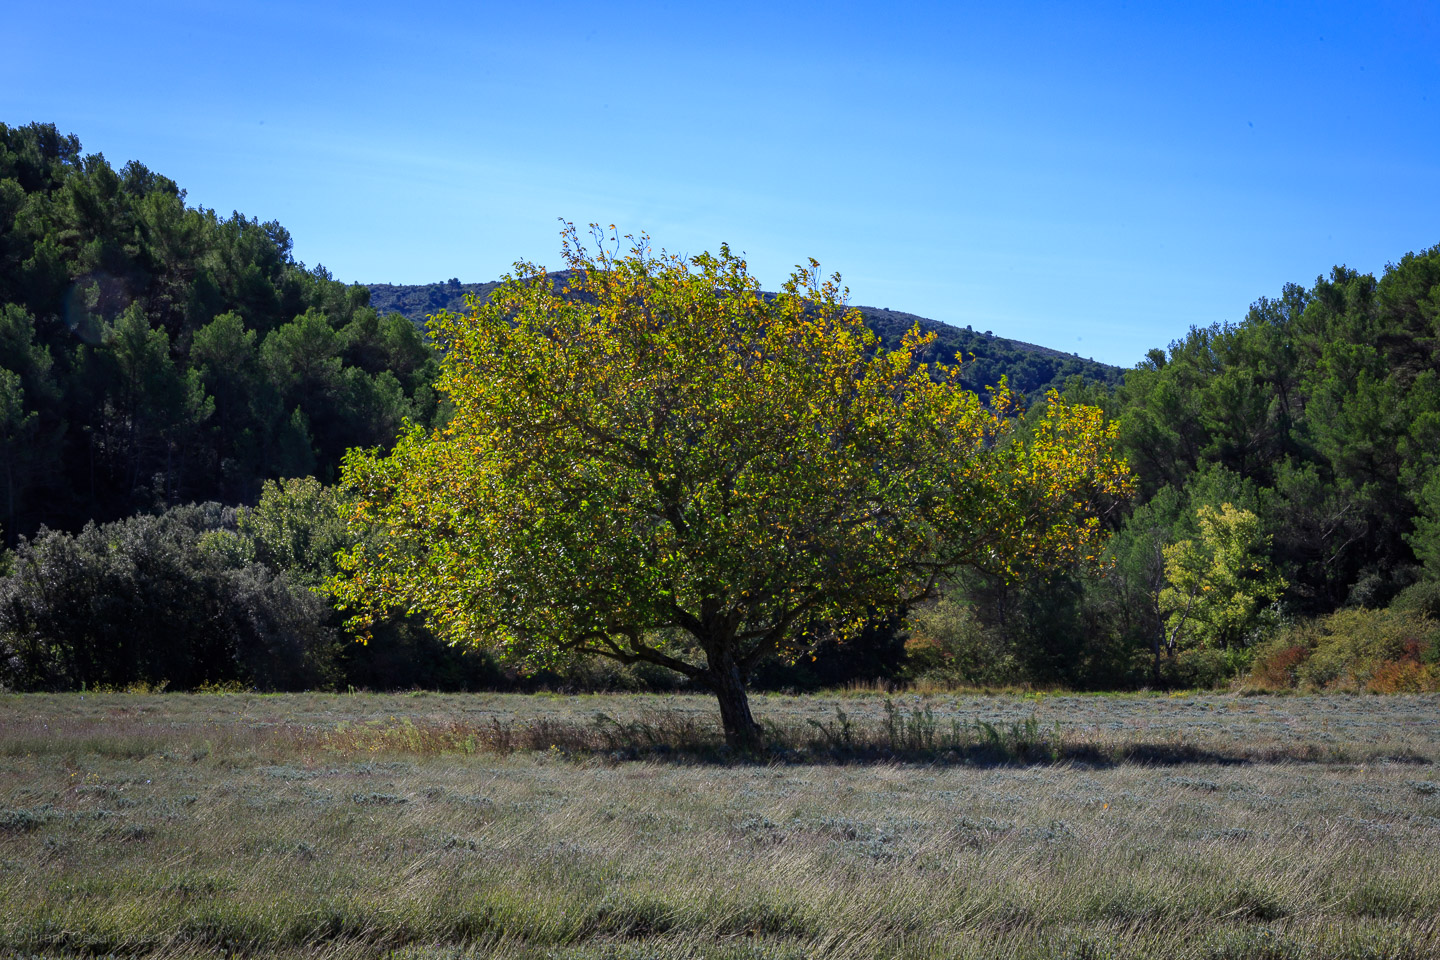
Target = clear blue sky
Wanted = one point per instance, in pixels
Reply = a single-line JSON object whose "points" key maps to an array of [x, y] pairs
{"points": [[1095, 178]]}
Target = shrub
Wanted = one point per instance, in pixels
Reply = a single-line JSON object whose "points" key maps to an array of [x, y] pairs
{"points": [[594, 675], [1201, 668], [1353, 643], [949, 644], [144, 600], [1276, 667], [296, 527], [1383, 651], [1403, 676], [1422, 598]]}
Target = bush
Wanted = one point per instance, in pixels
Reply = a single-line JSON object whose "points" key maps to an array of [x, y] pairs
{"points": [[599, 675], [296, 527], [148, 600], [1422, 598], [281, 630], [403, 654], [1382, 651], [948, 644], [1277, 667], [1403, 676], [1199, 668]]}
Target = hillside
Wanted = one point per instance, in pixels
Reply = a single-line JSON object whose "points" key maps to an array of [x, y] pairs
{"points": [[155, 353], [1032, 369]]}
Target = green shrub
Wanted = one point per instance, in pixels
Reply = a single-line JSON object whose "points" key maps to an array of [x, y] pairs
{"points": [[142, 601], [948, 644], [599, 675], [1422, 598], [1352, 644], [1200, 668]]}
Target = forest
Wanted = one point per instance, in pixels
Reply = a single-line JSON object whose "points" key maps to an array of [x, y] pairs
{"points": [[177, 393]]}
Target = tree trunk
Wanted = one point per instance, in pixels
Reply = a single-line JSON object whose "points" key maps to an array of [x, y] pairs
{"points": [[741, 731], [1155, 664]]}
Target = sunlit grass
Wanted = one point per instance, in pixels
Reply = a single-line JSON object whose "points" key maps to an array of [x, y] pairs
{"points": [[1197, 826]]}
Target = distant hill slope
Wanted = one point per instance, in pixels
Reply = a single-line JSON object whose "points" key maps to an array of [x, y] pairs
{"points": [[1032, 369], [418, 301]]}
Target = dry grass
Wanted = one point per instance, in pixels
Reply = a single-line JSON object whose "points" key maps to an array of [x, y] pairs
{"points": [[432, 825]]}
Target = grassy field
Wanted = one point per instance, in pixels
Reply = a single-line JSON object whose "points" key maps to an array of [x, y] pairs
{"points": [[617, 826]]}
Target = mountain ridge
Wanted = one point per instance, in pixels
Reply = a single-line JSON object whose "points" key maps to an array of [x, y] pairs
{"points": [[985, 357]]}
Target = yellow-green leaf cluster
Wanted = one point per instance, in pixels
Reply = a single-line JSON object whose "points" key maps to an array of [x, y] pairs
{"points": [[651, 442], [1219, 584]]}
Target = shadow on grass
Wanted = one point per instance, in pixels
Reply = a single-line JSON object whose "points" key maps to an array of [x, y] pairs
{"points": [[1094, 756], [900, 735]]}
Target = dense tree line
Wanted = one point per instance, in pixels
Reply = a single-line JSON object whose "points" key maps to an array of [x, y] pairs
{"points": [[1321, 412], [154, 353], [1313, 425]]}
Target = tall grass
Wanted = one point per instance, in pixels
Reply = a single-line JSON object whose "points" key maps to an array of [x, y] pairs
{"points": [[436, 826]]}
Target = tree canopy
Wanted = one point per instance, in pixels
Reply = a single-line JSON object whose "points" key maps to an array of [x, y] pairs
{"points": [[1220, 582], [153, 353], [656, 463], [984, 358]]}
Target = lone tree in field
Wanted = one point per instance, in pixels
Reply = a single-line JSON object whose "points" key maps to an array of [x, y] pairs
{"points": [[657, 450]]}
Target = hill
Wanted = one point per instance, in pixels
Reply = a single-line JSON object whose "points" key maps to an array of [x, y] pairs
{"points": [[1032, 369], [155, 353]]}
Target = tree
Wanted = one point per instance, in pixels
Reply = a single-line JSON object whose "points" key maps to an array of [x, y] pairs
{"points": [[17, 429], [115, 295], [151, 404], [1135, 583], [649, 447], [296, 528], [1220, 584]]}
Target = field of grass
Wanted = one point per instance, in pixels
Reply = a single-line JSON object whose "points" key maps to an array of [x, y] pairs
{"points": [[618, 826]]}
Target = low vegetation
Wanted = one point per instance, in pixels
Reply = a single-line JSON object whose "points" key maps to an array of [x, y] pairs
{"points": [[494, 825], [1376, 651]]}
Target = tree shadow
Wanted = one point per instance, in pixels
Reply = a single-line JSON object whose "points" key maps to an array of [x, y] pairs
{"points": [[900, 738], [987, 756]]}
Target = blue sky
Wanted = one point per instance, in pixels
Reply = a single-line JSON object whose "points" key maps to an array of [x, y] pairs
{"points": [[1092, 177]]}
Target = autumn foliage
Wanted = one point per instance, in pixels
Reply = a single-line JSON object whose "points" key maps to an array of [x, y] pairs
{"points": [[654, 461], [1376, 651]]}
